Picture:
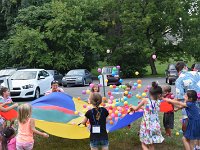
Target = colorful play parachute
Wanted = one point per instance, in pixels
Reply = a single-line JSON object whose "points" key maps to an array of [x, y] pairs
{"points": [[55, 114]]}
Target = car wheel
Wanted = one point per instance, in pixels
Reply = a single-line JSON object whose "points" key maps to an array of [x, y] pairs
{"points": [[170, 82], [64, 85], [166, 80], [84, 82], [37, 93]]}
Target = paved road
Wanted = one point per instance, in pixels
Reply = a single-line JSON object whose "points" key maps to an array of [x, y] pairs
{"points": [[77, 91]]}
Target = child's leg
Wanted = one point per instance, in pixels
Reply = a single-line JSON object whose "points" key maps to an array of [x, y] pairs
{"points": [[151, 147], [186, 143], [144, 147]]}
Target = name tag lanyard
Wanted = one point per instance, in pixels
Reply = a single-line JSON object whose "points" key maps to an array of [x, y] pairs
{"points": [[96, 121], [96, 127]]}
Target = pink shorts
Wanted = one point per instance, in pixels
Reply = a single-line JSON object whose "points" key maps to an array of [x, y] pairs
{"points": [[24, 146]]}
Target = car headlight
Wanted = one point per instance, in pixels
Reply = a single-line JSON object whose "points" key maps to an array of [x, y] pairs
{"points": [[79, 78], [27, 86]]}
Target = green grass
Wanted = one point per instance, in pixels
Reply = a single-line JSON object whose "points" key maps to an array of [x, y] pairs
{"points": [[124, 139], [161, 67]]}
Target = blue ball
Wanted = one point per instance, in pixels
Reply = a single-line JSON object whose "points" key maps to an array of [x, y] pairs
{"points": [[99, 77], [119, 114], [130, 93], [125, 98], [135, 84], [120, 80], [116, 89], [117, 100]]}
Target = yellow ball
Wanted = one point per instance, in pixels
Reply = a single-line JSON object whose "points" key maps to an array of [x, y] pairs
{"points": [[111, 86], [125, 103], [110, 111], [139, 85], [116, 112], [113, 105], [137, 95], [126, 92], [76, 112], [106, 80], [136, 73], [177, 133], [88, 91], [144, 94]]}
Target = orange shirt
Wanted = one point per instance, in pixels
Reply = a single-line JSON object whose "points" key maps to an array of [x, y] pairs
{"points": [[25, 133]]}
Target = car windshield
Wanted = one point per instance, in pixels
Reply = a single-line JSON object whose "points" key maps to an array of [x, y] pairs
{"points": [[24, 75], [172, 67], [108, 70], [76, 72], [51, 71], [7, 72]]}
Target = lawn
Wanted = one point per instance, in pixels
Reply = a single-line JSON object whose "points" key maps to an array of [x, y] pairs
{"points": [[124, 139]]}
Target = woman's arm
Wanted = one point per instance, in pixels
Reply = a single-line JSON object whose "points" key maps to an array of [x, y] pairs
{"points": [[175, 102], [8, 108], [36, 131]]}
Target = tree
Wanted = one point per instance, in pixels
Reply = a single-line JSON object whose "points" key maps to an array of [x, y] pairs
{"points": [[148, 26], [64, 33]]}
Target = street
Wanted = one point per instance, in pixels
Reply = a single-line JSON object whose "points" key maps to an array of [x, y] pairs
{"points": [[77, 91]]}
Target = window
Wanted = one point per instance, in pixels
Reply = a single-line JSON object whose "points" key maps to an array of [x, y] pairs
{"points": [[45, 73], [87, 72]]}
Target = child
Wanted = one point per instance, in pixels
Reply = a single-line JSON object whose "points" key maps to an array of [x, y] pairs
{"points": [[128, 89], [5, 94], [26, 128], [8, 139], [150, 132], [94, 89], [193, 112], [2, 120], [97, 117], [168, 118], [54, 88]]}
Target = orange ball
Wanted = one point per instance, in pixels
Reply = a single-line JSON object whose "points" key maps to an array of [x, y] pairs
{"points": [[79, 98], [104, 98], [111, 122], [139, 81]]}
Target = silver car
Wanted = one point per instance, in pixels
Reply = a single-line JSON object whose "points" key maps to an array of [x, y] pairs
{"points": [[77, 77]]}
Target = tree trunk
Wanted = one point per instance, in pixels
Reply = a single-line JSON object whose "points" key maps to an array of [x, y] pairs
{"points": [[153, 66]]}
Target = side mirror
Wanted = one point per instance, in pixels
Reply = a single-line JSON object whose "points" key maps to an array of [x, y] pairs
{"points": [[41, 77]]}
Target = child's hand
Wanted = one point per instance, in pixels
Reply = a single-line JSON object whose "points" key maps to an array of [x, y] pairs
{"points": [[45, 135], [15, 104]]}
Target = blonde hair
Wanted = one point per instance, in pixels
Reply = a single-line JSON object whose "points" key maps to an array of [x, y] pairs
{"points": [[24, 112]]}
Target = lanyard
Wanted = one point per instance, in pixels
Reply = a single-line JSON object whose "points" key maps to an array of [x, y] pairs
{"points": [[96, 121]]}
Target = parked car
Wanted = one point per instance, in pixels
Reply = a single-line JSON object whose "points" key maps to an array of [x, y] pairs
{"points": [[112, 80], [5, 75], [77, 77], [171, 74], [30, 83], [57, 76], [196, 67]]}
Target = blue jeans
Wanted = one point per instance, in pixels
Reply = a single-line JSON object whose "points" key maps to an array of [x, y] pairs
{"points": [[99, 143]]}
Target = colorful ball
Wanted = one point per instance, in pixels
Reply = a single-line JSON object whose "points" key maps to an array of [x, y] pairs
{"points": [[76, 112], [177, 133], [144, 94], [104, 98], [79, 98], [88, 91], [114, 69], [99, 77], [135, 84], [136, 73], [100, 85], [120, 80], [111, 97], [139, 81], [111, 86], [118, 67], [84, 92], [99, 70], [91, 85], [139, 85], [154, 56], [125, 103], [126, 92], [116, 89], [114, 86], [111, 122], [106, 80]]}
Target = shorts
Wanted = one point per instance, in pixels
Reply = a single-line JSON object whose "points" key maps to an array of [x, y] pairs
{"points": [[24, 146], [99, 143], [168, 120]]}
